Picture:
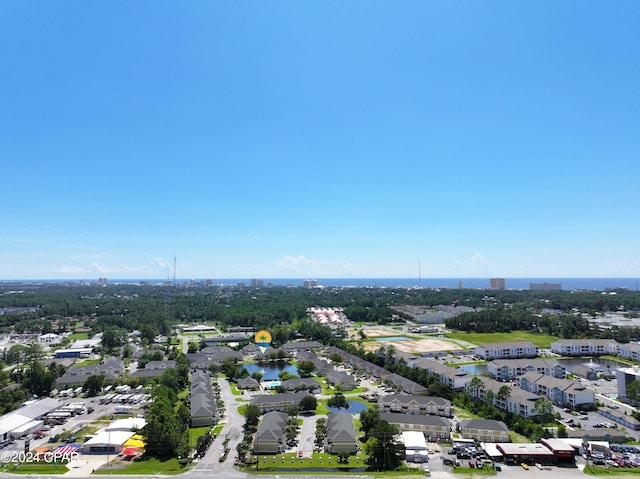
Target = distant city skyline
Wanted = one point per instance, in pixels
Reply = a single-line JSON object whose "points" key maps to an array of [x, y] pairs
{"points": [[319, 140]]}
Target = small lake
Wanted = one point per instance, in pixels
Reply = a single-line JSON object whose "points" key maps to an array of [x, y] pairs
{"points": [[355, 407], [271, 369], [599, 364]]}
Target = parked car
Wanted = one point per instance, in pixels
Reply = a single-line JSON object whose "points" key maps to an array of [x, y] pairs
{"points": [[525, 466]]}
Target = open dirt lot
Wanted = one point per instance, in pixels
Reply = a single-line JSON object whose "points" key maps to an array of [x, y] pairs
{"points": [[413, 345]]}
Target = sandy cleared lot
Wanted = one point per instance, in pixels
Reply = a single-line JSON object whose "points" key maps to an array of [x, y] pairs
{"points": [[410, 346]]}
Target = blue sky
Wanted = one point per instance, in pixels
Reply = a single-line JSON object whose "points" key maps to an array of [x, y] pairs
{"points": [[286, 139]]}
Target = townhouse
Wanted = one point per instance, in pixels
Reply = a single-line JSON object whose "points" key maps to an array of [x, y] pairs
{"points": [[378, 373], [484, 430], [410, 404], [433, 427], [203, 410], [341, 433], [277, 402], [455, 378], [270, 436]]}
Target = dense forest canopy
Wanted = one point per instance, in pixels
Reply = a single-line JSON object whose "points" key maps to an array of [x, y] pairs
{"points": [[155, 309]]}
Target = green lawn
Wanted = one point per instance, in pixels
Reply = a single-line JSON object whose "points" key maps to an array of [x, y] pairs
{"points": [[610, 472], [35, 468], [472, 471], [540, 340], [76, 336], [148, 466], [195, 433], [291, 461], [88, 362]]}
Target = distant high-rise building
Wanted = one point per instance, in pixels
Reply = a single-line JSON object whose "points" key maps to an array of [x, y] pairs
{"points": [[460, 285], [102, 281], [310, 283], [257, 282], [496, 283], [208, 282], [545, 286]]}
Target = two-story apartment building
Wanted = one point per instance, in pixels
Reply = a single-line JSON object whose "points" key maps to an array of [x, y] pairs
{"points": [[433, 427], [484, 430]]}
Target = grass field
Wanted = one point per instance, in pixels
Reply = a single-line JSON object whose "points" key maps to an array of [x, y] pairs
{"points": [[540, 340], [610, 472], [149, 466], [76, 336], [195, 433], [36, 468]]}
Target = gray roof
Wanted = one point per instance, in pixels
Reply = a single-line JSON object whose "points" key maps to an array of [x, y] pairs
{"points": [[421, 419], [292, 398], [487, 424], [407, 398], [340, 427]]}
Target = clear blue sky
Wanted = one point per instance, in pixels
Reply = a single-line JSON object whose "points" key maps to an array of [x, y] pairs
{"points": [[292, 139]]}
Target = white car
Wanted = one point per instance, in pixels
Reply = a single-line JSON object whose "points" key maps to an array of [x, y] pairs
{"points": [[538, 465], [426, 469]]}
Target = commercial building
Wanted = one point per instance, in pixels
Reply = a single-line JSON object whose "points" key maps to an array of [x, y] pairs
{"points": [[415, 446]]}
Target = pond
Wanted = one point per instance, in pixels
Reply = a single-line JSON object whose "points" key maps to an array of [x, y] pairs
{"points": [[392, 338], [271, 369], [355, 407]]}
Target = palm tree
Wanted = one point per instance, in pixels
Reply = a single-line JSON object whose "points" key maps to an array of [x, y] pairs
{"points": [[503, 394], [475, 385]]}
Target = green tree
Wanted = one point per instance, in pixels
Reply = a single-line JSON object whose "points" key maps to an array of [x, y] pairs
{"points": [[475, 385], [93, 384], [339, 401], [369, 419], [162, 430], [252, 415], [38, 379], [544, 410], [306, 368], [308, 403], [633, 391], [384, 452]]}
